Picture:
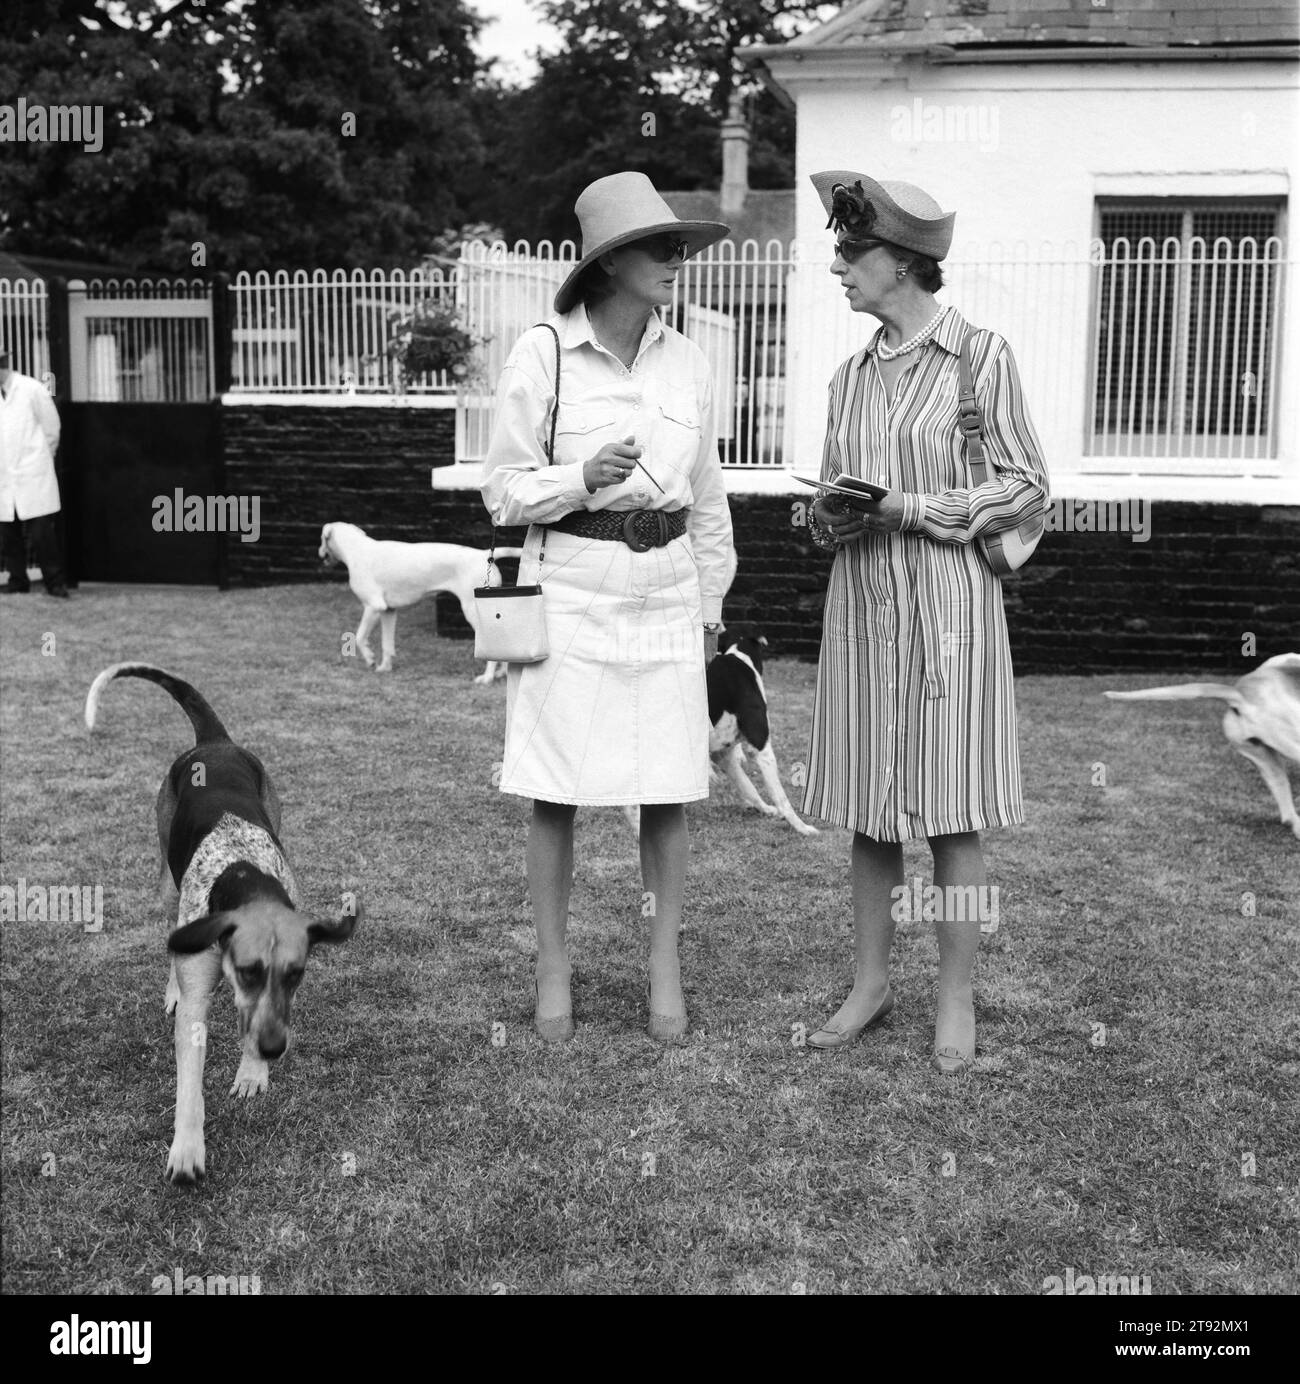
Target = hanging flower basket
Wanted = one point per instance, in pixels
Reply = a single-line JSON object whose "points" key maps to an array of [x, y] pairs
{"points": [[431, 339]]}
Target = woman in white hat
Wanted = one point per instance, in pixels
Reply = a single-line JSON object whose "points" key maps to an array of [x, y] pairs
{"points": [[631, 540], [914, 723]]}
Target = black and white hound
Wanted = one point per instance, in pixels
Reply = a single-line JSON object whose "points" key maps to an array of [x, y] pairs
{"points": [[218, 830], [738, 714]]}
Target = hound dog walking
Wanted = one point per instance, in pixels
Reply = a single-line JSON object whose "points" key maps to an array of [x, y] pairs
{"points": [[1262, 721], [218, 830], [385, 575]]}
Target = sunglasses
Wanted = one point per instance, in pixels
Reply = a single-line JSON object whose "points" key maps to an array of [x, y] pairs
{"points": [[851, 250], [662, 248]]}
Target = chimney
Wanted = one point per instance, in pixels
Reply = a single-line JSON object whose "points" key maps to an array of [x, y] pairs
{"points": [[735, 157]]}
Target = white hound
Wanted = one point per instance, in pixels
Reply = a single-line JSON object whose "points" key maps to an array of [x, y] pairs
{"points": [[386, 575], [1262, 720]]}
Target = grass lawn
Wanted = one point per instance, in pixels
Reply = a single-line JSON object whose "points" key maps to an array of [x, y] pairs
{"points": [[419, 1137]]}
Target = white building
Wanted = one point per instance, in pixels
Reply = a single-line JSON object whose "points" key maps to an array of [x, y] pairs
{"points": [[1121, 175]]}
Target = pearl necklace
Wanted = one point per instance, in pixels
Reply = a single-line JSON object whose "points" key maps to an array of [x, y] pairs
{"points": [[892, 352]]}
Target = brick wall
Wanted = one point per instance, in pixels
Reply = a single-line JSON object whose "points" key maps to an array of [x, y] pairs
{"points": [[1207, 575]]}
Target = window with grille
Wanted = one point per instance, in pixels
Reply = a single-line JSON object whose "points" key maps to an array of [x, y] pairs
{"points": [[1185, 342]]}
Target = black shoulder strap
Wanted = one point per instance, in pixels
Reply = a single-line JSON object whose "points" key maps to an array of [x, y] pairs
{"points": [[555, 412], [970, 418]]}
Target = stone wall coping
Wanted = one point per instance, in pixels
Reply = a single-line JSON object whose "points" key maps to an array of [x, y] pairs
{"points": [[1235, 490]]}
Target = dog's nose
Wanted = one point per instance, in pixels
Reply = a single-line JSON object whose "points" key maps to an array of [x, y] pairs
{"points": [[273, 1045]]}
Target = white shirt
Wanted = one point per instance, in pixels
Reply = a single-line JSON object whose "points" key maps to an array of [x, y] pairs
{"points": [[29, 433], [665, 402]]}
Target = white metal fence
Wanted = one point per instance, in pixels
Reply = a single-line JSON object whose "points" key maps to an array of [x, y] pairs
{"points": [[1186, 347], [319, 332], [1146, 349], [141, 341], [730, 300], [24, 326]]}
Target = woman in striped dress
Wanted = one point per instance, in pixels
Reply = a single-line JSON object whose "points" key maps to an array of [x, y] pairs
{"points": [[914, 724]]}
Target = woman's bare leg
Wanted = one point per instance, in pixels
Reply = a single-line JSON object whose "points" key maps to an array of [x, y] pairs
{"points": [[877, 868], [550, 877], [664, 852], [958, 861]]}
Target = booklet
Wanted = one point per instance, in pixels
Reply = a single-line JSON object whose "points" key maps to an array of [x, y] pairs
{"points": [[852, 492]]}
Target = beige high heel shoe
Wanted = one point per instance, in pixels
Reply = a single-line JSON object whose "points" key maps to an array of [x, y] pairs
{"points": [[664, 1028], [827, 1039], [951, 1061], [557, 1030]]}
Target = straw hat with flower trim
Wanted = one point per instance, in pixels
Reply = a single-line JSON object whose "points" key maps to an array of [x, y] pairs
{"points": [[860, 207], [619, 209]]}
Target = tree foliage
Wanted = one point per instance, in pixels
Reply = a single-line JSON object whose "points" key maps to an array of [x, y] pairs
{"points": [[638, 84], [272, 133]]}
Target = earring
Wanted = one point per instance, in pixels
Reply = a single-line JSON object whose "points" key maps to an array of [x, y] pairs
{"points": [[900, 272]]}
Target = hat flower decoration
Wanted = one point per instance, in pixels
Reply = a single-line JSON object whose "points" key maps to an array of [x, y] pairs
{"points": [[851, 211]]}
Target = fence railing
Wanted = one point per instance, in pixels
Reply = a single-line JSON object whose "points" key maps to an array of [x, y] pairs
{"points": [[319, 332], [141, 341], [1186, 347], [730, 300], [24, 325], [1167, 350]]}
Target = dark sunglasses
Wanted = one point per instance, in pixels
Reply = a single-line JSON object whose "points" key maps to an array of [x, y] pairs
{"points": [[662, 248], [850, 250]]}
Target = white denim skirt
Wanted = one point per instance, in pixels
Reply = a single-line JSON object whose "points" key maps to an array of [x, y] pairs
{"points": [[617, 715]]}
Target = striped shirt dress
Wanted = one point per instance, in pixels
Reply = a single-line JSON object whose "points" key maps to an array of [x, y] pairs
{"points": [[914, 719]]}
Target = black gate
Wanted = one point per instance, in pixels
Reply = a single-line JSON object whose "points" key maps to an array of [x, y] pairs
{"points": [[139, 369]]}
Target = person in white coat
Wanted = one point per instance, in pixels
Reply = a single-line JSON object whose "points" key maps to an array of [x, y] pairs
{"points": [[29, 489]]}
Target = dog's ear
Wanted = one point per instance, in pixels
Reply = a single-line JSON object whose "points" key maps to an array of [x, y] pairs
{"points": [[726, 639], [337, 929], [202, 933]]}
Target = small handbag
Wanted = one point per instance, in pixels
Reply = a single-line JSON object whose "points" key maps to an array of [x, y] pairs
{"points": [[1009, 549], [511, 619]]}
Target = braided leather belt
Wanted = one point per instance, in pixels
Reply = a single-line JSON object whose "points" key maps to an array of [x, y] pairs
{"points": [[640, 529]]}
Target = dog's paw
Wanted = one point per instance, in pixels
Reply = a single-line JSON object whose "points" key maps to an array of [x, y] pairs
{"points": [[767, 809], [803, 828], [484, 679], [1295, 826], [185, 1161], [385, 667], [250, 1079]]}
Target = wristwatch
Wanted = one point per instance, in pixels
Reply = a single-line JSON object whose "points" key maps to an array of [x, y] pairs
{"points": [[711, 628]]}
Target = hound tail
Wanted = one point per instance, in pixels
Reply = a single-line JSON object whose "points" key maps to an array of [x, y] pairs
{"points": [[207, 724], [1220, 691]]}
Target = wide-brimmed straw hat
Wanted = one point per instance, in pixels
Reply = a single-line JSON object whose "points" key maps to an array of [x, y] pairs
{"points": [[901, 213], [619, 209]]}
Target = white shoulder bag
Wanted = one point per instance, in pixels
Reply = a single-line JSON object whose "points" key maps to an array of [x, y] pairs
{"points": [[511, 619]]}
